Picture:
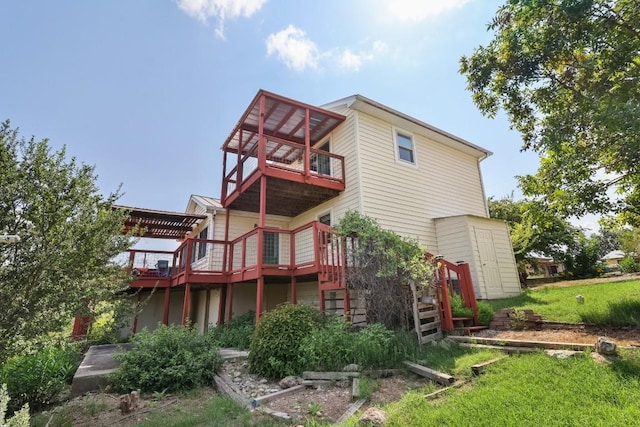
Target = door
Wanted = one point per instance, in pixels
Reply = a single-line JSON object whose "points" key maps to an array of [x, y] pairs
{"points": [[489, 263]]}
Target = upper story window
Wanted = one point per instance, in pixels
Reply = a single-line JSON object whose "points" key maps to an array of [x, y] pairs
{"points": [[325, 219], [321, 163], [405, 147]]}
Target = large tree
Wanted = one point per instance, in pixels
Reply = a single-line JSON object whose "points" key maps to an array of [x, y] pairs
{"points": [[567, 74], [68, 235]]}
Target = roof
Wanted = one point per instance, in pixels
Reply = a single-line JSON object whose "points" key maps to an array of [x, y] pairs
{"points": [[160, 224], [209, 204], [376, 109], [284, 118], [617, 254]]}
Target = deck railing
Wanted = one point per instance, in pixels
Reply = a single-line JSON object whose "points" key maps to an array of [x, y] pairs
{"points": [[286, 156]]}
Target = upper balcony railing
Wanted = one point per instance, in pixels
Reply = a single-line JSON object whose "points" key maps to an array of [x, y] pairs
{"points": [[281, 252], [286, 160]]}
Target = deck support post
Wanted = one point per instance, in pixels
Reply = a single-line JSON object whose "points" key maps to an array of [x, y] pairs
{"points": [[321, 296], [165, 312], [294, 290], [185, 303], [230, 302], [346, 305], [135, 320], [222, 305], [259, 298]]}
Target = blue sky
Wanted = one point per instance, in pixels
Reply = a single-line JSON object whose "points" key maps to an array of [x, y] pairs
{"points": [[148, 90]]}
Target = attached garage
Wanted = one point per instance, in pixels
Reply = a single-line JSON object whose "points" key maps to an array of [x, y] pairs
{"points": [[485, 245]]}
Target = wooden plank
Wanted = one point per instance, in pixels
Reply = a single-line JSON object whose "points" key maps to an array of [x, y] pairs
{"points": [[432, 337], [506, 349], [439, 377], [351, 410], [332, 376], [314, 383], [437, 393], [429, 326], [225, 385], [383, 373], [478, 368], [355, 388], [428, 314], [280, 393], [551, 345]]}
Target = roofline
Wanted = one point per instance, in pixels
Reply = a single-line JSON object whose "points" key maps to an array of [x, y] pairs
{"points": [[353, 99]]}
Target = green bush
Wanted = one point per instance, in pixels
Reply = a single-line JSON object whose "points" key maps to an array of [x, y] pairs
{"points": [[629, 264], [171, 358], [275, 349], [334, 346], [237, 333], [485, 313], [38, 379], [458, 309], [20, 418]]}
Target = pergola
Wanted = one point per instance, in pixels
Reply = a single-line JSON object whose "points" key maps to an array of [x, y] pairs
{"points": [[159, 224]]}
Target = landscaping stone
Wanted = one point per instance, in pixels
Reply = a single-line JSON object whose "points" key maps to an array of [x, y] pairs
{"points": [[290, 381], [374, 417], [605, 346], [351, 368], [561, 354]]}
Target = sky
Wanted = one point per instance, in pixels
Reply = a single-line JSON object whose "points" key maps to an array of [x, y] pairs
{"points": [[148, 90]]}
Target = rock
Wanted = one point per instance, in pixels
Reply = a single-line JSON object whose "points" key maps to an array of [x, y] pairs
{"points": [[605, 360], [580, 299], [373, 417], [605, 346], [290, 381], [351, 368], [561, 354]]}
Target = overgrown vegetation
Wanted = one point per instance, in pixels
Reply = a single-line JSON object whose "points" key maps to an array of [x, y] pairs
{"points": [[171, 358], [38, 378], [485, 313], [237, 333], [20, 418], [386, 265], [458, 309], [275, 349], [607, 303]]}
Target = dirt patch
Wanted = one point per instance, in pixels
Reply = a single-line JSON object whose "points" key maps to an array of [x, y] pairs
{"points": [[584, 335]]}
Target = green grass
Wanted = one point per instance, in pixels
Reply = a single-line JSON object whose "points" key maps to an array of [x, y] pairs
{"points": [[455, 360], [610, 304], [533, 389]]}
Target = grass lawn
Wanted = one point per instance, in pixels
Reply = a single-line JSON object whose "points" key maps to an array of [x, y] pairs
{"points": [[533, 389], [607, 303]]}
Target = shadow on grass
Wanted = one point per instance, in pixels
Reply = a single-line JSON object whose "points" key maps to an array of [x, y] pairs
{"points": [[618, 313], [628, 365], [522, 300]]}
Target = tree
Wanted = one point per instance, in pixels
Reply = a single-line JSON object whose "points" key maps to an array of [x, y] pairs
{"points": [[567, 73], [69, 233], [533, 228]]}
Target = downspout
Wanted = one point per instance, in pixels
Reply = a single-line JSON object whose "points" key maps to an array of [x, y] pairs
{"points": [[484, 195]]}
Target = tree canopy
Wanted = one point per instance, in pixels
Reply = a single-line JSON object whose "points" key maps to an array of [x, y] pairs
{"points": [[567, 74], [69, 233]]}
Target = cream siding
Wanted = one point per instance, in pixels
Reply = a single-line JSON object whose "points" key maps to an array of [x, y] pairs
{"points": [[200, 314], [458, 240]]}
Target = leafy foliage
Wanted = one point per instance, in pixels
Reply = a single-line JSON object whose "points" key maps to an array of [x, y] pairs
{"points": [[485, 313], [275, 349], [37, 379], [237, 333], [171, 357], [629, 264], [458, 309], [386, 264], [69, 233], [566, 74], [335, 345], [581, 259], [20, 419]]}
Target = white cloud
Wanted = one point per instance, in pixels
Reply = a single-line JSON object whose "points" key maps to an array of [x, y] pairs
{"points": [[220, 9], [293, 48], [420, 10]]}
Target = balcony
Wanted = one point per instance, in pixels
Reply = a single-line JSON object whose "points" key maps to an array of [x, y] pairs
{"points": [[275, 139], [304, 251]]}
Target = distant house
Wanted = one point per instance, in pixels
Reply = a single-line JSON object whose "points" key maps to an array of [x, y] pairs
{"points": [[613, 258], [290, 171], [543, 266]]}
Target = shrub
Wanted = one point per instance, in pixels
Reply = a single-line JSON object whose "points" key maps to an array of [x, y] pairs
{"points": [[458, 309], [373, 347], [38, 379], [275, 349], [485, 313], [237, 333], [170, 358], [629, 264], [20, 419]]}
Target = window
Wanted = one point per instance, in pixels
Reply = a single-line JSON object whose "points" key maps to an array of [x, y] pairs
{"points": [[202, 246], [405, 148], [325, 219], [321, 163], [271, 248]]}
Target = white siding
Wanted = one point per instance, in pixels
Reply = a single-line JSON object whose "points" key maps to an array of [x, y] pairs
{"points": [[458, 241]]}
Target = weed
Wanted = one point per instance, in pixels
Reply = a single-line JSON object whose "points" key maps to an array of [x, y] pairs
{"points": [[518, 320], [367, 386], [314, 408]]}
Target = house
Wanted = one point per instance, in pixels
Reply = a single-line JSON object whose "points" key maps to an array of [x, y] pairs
{"points": [[543, 266], [613, 258], [290, 171]]}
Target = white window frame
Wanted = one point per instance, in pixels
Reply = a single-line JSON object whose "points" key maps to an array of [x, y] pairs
{"points": [[396, 146]]}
